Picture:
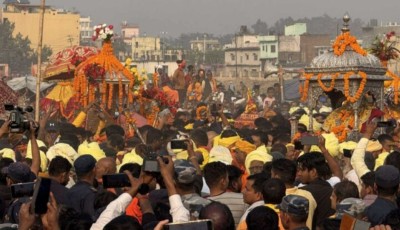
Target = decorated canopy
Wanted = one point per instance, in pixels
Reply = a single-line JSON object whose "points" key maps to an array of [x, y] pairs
{"points": [[108, 70], [7, 96], [348, 75], [62, 64]]}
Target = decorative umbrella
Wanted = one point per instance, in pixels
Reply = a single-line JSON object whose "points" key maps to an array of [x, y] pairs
{"points": [[62, 64], [7, 96]]}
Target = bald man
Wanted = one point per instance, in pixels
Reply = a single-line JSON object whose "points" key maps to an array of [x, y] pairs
{"points": [[105, 166]]}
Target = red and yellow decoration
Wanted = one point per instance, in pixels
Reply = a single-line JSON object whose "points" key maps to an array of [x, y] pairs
{"points": [[343, 41]]}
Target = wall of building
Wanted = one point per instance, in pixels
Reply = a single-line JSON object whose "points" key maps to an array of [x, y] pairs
{"points": [[309, 46], [296, 29], [60, 30]]}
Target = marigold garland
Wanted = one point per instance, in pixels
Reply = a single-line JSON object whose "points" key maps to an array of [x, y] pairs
{"points": [[112, 67], [110, 95], [120, 95], [344, 40], [395, 85], [341, 131], [331, 86], [305, 87], [360, 90], [199, 111]]}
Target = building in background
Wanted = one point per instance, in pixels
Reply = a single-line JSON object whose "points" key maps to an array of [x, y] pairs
{"points": [[61, 28], [86, 30], [242, 55], [269, 52], [129, 31], [209, 44], [296, 29]]}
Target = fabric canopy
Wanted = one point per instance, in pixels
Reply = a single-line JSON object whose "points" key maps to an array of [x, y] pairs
{"points": [[29, 82]]}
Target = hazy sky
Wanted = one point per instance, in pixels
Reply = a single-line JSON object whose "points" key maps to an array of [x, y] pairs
{"points": [[220, 16]]}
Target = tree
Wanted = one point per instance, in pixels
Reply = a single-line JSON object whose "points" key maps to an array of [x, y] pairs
{"points": [[260, 28], [16, 51]]}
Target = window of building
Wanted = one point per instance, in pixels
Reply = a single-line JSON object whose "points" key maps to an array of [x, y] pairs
{"points": [[241, 59], [232, 57], [273, 49], [247, 57], [263, 48], [136, 44], [266, 48], [255, 56], [254, 73]]}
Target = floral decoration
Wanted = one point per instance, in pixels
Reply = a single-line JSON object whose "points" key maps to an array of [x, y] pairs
{"points": [[383, 47], [331, 86], [343, 41], [94, 72], [104, 32], [360, 90]]}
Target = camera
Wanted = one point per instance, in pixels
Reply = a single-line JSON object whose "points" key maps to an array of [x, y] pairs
{"points": [[18, 121], [150, 163], [385, 124]]}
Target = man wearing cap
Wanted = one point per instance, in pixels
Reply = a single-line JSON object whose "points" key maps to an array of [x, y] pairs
{"points": [[293, 212], [386, 185], [185, 180], [83, 193]]}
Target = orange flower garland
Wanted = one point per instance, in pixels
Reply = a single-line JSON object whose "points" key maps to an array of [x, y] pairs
{"points": [[341, 130], [360, 90], [110, 95], [112, 66], [395, 85], [120, 95], [344, 40], [305, 87], [104, 93], [331, 86]]}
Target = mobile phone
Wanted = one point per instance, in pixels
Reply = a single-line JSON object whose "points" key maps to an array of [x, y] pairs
{"points": [[116, 180], [191, 225], [41, 196], [309, 140], [347, 153], [298, 145], [178, 144], [22, 190]]}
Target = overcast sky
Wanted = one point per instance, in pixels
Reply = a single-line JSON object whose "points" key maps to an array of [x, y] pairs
{"points": [[220, 16]]}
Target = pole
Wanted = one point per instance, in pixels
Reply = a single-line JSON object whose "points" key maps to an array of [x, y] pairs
{"points": [[236, 57], [39, 64], [204, 49]]}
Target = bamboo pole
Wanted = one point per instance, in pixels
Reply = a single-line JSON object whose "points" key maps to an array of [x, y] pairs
{"points": [[39, 61]]}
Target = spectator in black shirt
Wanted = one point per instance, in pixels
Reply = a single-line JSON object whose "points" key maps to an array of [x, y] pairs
{"points": [[311, 169], [59, 169]]}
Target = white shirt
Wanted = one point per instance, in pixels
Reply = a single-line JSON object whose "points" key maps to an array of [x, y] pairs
{"points": [[178, 212], [113, 210], [253, 206]]}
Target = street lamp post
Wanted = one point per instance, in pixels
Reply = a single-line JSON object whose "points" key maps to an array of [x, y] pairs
{"points": [[163, 33], [236, 57], [204, 49]]}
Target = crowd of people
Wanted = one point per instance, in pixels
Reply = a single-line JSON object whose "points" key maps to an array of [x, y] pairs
{"points": [[239, 178]]}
